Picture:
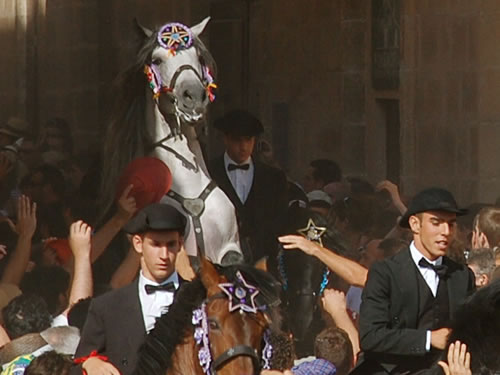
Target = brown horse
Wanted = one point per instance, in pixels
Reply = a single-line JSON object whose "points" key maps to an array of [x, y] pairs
{"points": [[218, 324]]}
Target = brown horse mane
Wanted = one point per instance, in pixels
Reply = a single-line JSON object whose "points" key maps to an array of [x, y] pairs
{"points": [[127, 136]]}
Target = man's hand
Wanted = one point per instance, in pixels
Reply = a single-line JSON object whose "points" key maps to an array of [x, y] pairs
{"points": [[294, 241], [275, 372], [334, 303], [96, 366], [80, 234], [458, 360], [439, 337], [26, 217], [126, 205]]}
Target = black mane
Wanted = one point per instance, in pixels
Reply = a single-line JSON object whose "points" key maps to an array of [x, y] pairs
{"points": [[155, 355]]}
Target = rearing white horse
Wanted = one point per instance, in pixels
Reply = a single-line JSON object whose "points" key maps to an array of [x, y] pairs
{"points": [[162, 95]]}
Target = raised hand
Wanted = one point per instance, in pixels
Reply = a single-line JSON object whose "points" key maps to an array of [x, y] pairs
{"points": [[126, 204], [334, 302], [458, 360], [294, 241], [80, 234], [26, 217]]}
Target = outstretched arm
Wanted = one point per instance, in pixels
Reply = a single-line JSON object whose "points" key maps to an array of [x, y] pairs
{"points": [[25, 228], [334, 304], [103, 237], [350, 271], [79, 242]]}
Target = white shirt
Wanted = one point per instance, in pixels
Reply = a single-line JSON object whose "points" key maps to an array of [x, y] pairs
{"points": [[240, 179], [430, 276], [155, 304]]}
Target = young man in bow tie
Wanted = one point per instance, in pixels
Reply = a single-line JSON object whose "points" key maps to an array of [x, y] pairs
{"points": [[409, 298], [118, 321], [257, 191]]}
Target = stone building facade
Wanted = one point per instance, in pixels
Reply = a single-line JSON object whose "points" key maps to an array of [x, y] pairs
{"points": [[404, 89]]}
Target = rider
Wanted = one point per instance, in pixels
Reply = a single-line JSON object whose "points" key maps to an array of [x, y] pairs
{"points": [[118, 321]]}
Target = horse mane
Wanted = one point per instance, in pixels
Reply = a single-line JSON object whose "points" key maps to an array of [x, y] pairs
{"points": [[477, 324], [127, 137], [155, 355]]}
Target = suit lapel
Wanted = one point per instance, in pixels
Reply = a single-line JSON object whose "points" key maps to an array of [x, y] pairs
{"points": [[134, 321], [406, 272], [224, 182]]}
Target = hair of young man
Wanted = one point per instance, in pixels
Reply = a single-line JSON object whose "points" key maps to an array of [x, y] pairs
{"points": [[50, 363], [334, 345], [283, 351], [27, 313], [483, 259], [49, 282], [326, 170], [487, 221]]}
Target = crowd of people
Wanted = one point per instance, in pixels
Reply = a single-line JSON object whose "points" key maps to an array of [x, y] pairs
{"points": [[80, 290]]}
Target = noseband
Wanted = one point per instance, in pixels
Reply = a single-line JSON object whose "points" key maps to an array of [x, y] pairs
{"points": [[245, 304]]}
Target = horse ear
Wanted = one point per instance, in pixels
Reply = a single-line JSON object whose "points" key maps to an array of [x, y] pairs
{"points": [[198, 29], [209, 276], [142, 31], [261, 264]]}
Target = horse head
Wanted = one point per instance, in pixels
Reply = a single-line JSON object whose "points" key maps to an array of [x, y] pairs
{"points": [[179, 70], [237, 320], [305, 278]]}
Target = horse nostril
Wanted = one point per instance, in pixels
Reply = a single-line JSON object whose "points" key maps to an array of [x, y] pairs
{"points": [[187, 95]]}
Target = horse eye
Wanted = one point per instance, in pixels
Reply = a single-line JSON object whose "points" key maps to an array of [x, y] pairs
{"points": [[213, 324], [157, 61]]}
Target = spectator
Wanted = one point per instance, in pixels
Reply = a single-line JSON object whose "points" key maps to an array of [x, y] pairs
{"points": [[482, 263], [25, 314], [320, 173], [50, 363], [486, 228]]}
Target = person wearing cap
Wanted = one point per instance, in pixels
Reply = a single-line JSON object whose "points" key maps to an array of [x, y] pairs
{"points": [[409, 298], [14, 129], [118, 321], [257, 190]]}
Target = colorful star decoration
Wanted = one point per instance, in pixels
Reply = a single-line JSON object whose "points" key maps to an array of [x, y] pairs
{"points": [[241, 295], [312, 232], [175, 36]]}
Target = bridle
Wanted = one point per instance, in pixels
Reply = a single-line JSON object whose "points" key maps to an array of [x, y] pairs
{"points": [[201, 331]]}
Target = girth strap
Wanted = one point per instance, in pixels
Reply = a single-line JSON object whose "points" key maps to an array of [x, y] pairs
{"points": [[195, 207], [235, 352]]}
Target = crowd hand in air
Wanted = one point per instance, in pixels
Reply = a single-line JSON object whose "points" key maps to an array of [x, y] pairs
{"points": [[26, 217], [458, 360], [393, 190], [126, 204], [80, 235]]}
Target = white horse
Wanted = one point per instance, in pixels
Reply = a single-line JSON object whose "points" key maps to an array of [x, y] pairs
{"points": [[163, 94]]}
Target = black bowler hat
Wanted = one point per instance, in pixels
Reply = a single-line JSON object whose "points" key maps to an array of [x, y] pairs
{"points": [[431, 199], [156, 216], [239, 122]]}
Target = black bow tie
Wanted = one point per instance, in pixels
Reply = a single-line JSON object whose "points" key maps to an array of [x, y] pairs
{"points": [[168, 287], [232, 167], [440, 269]]}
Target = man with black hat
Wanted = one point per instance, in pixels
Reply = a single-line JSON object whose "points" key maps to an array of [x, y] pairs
{"points": [[118, 321], [409, 298], [257, 190]]}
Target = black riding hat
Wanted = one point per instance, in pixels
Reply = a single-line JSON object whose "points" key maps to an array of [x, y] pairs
{"points": [[156, 216], [239, 122], [431, 199]]}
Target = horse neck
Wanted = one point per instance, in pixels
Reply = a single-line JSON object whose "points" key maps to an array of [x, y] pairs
{"points": [[185, 359]]}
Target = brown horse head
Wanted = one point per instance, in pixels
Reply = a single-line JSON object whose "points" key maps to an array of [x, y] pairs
{"points": [[235, 333]]}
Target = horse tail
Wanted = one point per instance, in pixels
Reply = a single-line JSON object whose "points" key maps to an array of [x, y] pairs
{"points": [[127, 136]]}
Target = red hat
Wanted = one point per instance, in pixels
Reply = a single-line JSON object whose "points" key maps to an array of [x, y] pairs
{"points": [[63, 251], [151, 179]]}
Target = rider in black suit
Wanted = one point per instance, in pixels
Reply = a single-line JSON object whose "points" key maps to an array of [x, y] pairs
{"points": [[257, 190], [409, 298], [118, 321]]}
